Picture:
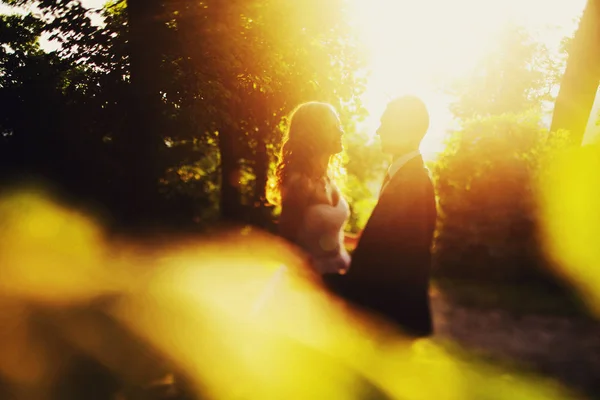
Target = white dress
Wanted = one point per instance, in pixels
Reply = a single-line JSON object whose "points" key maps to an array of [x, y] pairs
{"points": [[321, 235]]}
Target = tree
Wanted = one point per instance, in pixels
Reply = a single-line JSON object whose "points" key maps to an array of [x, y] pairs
{"points": [[486, 176], [517, 75], [365, 167], [29, 82], [144, 138], [84, 84], [486, 182], [163, 91], [266, 57], [580, 81]]}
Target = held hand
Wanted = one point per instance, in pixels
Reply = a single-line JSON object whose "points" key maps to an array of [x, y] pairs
{"points": [[351, 239]]}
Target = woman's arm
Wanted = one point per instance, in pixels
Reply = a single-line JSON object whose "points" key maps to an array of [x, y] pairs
{"points": [[294, 201]]}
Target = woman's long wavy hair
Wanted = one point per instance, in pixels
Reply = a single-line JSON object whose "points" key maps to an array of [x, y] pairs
{"points": [[305, 144]]}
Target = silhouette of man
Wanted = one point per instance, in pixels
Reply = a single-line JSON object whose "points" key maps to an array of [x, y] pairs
{"points": [[390, 268]]}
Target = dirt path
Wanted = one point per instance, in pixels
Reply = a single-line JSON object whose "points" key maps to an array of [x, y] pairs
{"points": [[567, 349]]}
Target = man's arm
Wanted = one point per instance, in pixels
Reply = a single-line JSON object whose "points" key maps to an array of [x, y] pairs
{"points": [[345, 285]]}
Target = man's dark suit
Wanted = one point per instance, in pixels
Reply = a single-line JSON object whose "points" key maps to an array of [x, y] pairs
{"points": [[390, 269]]}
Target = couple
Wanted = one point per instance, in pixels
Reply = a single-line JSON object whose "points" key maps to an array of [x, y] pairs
{"points": [[388, 272]]}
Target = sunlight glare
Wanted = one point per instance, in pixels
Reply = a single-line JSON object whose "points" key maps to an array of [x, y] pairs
{"points": [[192, 301], [570, 200], [417, 46]]}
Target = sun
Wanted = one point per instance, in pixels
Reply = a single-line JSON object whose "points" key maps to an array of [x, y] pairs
{"points": [[415, 46]]}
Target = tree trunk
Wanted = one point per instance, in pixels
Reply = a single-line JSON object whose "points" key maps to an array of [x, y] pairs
{"points": [[143, 141], [261, 208], [230, 200], [580, 81], [261, 172]]}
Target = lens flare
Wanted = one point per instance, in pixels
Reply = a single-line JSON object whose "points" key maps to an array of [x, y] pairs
{"points": [[570, 199], [235, 316]]}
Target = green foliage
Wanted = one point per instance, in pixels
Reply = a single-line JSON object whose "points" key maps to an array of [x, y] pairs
{"points": [[486, 176], [263, 60], [486, 185], [162, 91], [365, 166], [517, 75], [19, 35]]}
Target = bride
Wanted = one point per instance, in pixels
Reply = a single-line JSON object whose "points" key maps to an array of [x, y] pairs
{"points": [[313, 212]]}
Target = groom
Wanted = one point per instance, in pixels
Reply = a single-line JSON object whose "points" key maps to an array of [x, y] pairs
{"points": [[389, 273]]}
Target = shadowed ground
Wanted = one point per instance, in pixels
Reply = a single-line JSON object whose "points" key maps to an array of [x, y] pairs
{"points": [[543, 336]]}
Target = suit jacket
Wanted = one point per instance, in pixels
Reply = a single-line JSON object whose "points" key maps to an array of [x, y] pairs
{"points": [[390, 269]]}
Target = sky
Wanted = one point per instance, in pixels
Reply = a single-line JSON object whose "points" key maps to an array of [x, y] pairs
{"points": [[413, 42], [94, 3]]}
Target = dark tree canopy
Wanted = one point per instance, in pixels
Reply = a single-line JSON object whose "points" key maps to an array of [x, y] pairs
{"points": [[166, 107]]}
